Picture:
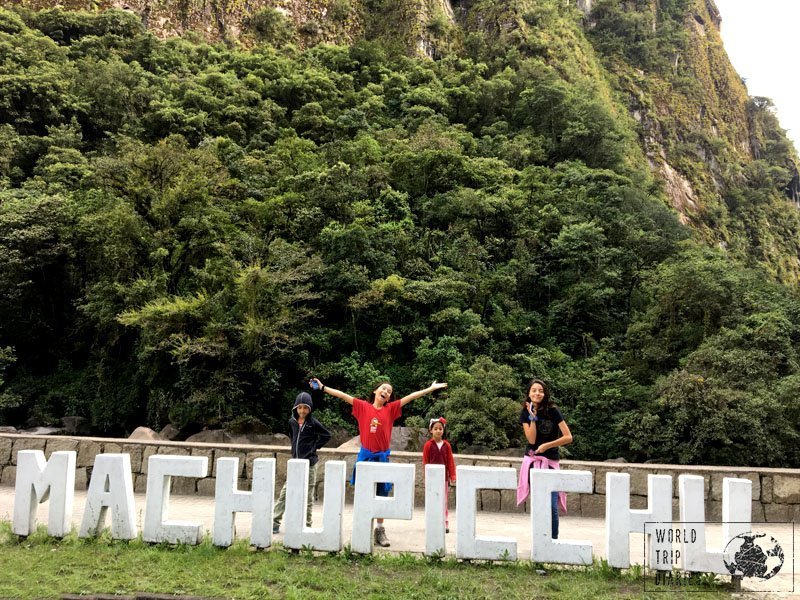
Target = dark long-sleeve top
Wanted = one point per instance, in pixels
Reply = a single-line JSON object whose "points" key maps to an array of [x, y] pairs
{"points": [[308, 438]]}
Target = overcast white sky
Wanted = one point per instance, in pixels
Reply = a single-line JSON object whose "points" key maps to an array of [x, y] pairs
{"points": [[761, 39]]}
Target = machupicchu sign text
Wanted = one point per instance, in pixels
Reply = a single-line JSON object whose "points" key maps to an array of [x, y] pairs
{"points": [[680, 544]]}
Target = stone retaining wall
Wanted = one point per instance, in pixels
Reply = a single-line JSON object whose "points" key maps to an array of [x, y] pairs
{"points": [[776, 492]]}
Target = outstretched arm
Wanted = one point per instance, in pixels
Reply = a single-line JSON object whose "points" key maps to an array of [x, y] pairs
{"points": [[335, 393], [419, 393]]}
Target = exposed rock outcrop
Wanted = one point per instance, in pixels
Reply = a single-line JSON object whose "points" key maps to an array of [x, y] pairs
{"points": [[211, 436], [144, 433], [679, 191], [76, 425], [793, 188], [170, 432]]}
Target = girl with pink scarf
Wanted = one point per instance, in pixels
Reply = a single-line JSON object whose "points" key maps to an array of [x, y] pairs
{"points": [[546, 430]]}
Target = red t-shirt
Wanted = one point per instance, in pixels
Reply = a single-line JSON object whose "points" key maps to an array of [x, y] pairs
{"points": [[375, 424]]}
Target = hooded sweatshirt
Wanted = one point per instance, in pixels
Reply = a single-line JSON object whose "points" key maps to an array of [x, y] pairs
{"points": [[311, 435]]}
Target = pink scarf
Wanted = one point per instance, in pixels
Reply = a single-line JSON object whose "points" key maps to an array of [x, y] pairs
{"points": [[538, 462]]}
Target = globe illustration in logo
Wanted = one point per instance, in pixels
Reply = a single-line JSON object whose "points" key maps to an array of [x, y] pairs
{"points": [[753, 555]]}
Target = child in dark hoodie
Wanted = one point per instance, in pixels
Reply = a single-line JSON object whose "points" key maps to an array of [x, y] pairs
{"points": [[308, 435]]}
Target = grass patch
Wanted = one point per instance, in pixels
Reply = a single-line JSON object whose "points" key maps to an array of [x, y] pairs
{"points": [[40, 566]]}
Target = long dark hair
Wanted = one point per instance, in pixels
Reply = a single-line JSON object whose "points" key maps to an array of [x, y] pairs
{"points": [[392, 397], [546, 402]]}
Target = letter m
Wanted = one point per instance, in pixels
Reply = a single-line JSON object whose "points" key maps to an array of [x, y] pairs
{"points": [[38, 480]]}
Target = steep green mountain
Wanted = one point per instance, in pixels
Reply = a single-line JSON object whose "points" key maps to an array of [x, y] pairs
{"points": [[202, 203]]}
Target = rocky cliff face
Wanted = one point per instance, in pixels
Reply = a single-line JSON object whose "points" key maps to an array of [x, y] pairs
{"points": [[702, 135], [698, 101], [315, 21]]}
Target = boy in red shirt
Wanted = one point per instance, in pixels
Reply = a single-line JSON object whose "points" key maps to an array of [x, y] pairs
{"points": [[375, 421]]}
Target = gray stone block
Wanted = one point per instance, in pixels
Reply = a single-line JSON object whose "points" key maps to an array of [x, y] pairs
{"points": [[592, 505], [9, 476], [184, 486], [60, 445], [766, 489], [574, 502], [489, 500], [757, 512], [207, 486], [494, 463], [135, 451], [786, 489], [26, 444], [5, 451], [349, 492], [281, 466], [147, 452], [175, 450], [112, 448], [87, 450], [508, 502], [319, 490], [778, 513], [81, 478], [713, 510]]}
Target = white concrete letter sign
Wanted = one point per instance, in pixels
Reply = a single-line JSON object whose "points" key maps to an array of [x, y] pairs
{"points": [[110, 494], [737, 508], [328, 538], [736, 495], [435, 502], [543, 548], [160, 470], [621, 521], [368, 506], [37, 481], [111, 487], [468, 544], [228, 501]]}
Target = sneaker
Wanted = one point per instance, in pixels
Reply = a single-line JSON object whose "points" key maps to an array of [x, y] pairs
{"points": [[276, 528], [380, 537]]}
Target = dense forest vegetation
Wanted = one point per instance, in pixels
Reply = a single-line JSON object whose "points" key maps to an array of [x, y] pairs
{"points": [[188, 231]]}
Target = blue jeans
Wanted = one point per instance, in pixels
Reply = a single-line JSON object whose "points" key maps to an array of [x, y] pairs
{"points": [[554, 513]]}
